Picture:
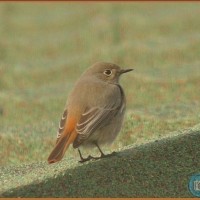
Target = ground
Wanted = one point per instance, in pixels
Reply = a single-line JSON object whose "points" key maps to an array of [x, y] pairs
{"points": [[161, 168]]}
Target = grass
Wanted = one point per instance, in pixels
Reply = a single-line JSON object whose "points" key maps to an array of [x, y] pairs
{"points": [[44, 47], [156, 169]]}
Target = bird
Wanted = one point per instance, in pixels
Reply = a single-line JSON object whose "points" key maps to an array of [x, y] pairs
{"points": [[94, 112]]}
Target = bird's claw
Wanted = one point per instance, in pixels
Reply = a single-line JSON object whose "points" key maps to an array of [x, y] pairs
{"points": [[85, 159]]}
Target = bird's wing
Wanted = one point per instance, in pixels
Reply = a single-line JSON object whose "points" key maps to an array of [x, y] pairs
{"points": [[92, 119], [62, 124]]}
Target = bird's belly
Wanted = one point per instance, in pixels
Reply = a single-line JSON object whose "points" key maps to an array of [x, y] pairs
{"points": [[106, 134]]}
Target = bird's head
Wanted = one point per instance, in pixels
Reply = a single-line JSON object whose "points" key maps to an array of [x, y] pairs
{"points": [[107, 72]]}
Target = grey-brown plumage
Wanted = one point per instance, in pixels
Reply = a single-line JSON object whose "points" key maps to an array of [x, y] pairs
{"points": [[94, 110]]}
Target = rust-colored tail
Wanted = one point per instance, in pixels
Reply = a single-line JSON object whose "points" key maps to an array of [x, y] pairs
{"points": [[61, 147]]}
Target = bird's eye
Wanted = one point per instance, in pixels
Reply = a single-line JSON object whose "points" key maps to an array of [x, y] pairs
{"points": [[107, 72]]}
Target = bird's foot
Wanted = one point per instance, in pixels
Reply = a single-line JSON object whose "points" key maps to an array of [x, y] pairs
{"points": [[105, 155], [108, 155], [85, 159], [97, 158]]}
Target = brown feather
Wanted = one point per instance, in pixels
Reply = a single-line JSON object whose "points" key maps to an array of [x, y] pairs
{"points": [[62, 125]]}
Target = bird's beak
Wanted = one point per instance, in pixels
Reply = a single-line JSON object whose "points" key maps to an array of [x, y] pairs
{"points": [[122, 71]]}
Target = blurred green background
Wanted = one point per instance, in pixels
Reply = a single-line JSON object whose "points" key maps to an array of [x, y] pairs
{"points": [[44, 47]]}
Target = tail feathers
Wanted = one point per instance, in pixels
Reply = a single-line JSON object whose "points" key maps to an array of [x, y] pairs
{"points": [[60, 148]]}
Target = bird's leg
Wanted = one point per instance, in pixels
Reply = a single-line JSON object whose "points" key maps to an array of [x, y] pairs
{"points": [[84, 159], [102, 154]]}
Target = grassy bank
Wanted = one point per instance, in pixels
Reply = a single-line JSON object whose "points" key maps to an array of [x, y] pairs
{"points": [[161, 168]]}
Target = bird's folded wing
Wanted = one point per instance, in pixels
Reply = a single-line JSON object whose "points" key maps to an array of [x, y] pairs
{"points": [[93, 119], [62, 124]]}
